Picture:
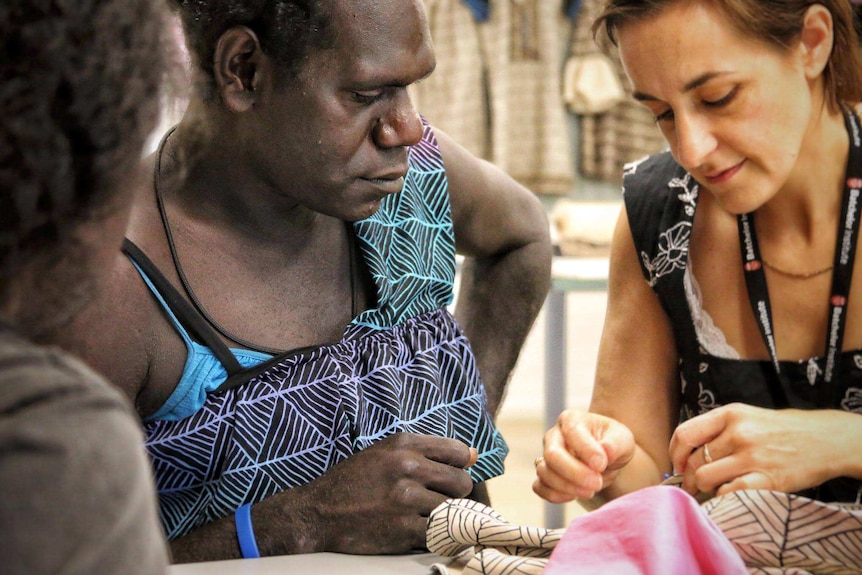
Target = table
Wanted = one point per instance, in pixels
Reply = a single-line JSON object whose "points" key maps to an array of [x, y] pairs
{"points": [[317, 563], [568, 274]]}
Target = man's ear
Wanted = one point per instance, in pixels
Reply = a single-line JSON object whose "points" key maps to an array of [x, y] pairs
{"points": [[817, 39], [237, 67]]}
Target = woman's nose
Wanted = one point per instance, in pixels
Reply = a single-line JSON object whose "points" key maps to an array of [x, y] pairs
{"points": [[694, 141]]}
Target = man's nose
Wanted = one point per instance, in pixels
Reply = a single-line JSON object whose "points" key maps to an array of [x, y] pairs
{"points": [[400, 125]]}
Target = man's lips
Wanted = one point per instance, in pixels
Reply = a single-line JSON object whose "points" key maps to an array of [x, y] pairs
{"points": [[395, 172], [390, 182], [722, 176]]}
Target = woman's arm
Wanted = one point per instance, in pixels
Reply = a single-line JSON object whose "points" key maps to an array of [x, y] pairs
{"points": [[637, 378], [622, 443]]}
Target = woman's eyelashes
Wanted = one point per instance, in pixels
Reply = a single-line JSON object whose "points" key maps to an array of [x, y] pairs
{"points": [[723, 101], [718, 103], [664, 116]]}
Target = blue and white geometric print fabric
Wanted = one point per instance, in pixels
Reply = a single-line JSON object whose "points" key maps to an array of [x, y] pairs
{"points": [[403, 367], [409, 244]]}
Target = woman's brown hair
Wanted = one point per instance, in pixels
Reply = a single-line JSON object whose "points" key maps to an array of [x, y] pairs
{"points": [[776, 22]]}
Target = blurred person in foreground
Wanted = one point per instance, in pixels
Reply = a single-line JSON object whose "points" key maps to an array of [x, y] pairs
{"points": [[79, 92]]}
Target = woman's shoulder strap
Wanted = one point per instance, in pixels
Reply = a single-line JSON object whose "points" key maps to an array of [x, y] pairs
{"points": [[660, 199]]}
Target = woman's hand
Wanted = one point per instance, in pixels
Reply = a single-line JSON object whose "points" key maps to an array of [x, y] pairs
{"points": [[583, 454], [739, 446]]}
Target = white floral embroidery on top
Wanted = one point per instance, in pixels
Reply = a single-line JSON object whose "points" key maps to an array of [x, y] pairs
{"points": [[632, 167], [852, 400], [672, 252], [812, 370], [688, 196], [686, 413], [705, 399]]}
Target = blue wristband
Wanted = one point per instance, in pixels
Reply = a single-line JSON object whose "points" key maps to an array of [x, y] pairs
{"points": [[245, 532]]}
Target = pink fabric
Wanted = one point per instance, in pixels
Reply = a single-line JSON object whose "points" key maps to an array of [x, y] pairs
{"points": [[658, 530]]}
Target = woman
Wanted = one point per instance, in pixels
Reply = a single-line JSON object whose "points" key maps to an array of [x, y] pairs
{"points": [[744, 370]]}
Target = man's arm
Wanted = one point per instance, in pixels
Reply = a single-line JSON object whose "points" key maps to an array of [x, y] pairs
{"points": [[503, 230], [375, 502]]}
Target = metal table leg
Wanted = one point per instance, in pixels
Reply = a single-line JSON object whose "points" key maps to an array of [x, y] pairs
{"points": [[555, 380]]}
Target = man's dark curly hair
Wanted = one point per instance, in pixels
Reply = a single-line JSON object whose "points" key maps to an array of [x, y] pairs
{"points": [[80, 90], [287, 29]]}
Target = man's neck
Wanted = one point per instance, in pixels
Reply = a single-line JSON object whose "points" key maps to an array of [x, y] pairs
{"points": [[218, 186]]}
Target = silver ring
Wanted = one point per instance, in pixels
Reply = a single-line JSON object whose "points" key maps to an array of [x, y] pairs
{"points": [[537, 461], [706, 456]]}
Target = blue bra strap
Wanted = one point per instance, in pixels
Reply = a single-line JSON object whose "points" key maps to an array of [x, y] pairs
{"points": [[182, 309]]}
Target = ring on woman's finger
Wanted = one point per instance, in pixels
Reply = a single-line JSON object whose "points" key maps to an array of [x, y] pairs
{"points": [[706, 456], [537, 461]]}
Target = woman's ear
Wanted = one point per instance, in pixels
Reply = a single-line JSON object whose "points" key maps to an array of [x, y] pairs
{"points": [[816, 40], [237, 67]]}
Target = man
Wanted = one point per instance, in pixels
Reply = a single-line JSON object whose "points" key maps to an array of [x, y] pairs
{"points": [[77, 86], [300, 239]]}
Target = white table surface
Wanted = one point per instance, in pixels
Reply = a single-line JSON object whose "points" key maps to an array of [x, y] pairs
{"points": [[316, 564]]}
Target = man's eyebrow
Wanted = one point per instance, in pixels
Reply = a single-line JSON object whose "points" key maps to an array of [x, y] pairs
{"points": [[692, 85], [389, 82]]}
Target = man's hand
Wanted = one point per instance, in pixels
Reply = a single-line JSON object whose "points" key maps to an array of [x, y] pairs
{"points": [[378, 501]]}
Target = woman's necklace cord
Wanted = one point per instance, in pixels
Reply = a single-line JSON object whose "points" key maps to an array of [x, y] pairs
{"points": [[796, 275]]}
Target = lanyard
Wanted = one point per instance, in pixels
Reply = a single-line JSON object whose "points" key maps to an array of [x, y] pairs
{"points": [[845, 251]]}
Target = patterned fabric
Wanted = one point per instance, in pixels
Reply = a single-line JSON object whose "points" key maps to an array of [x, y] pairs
{"points": [[454, 97], [497, 87], [409, 243], [661, 199], [523, 44], [761, 532], [780, 533], [404, 366], [485, 541]]}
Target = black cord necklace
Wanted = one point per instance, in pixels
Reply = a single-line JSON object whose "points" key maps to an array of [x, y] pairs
{"points": [[187, 286]]}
